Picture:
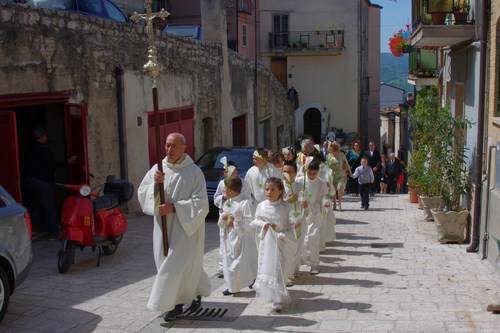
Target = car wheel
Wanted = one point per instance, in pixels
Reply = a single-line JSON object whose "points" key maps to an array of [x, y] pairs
{"points": [[4, 293], [66, 256]]}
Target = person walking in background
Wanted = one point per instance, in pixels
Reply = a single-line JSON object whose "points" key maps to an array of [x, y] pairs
{"points": [[337, 162], [393, 170], [365, 178], [374, 159], [180, 278], [353, 157], [383, 172], [39, 183]]}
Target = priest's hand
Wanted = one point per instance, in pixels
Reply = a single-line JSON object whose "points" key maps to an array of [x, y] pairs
{"points": [[166, 208], [159, 177]]}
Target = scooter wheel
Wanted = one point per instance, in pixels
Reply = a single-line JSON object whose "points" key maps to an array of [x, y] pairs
{"points": [[109, 249], [66, 256]]}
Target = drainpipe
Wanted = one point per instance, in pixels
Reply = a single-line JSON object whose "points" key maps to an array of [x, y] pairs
{"points": [[255, 77], [476, 222], [487, 210], [122, 145]]}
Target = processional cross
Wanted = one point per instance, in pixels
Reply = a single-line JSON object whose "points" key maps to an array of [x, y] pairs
{"points": [[154, 68]]}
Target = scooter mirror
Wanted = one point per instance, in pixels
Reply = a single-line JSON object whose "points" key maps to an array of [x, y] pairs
{"points": [[85, 190]]}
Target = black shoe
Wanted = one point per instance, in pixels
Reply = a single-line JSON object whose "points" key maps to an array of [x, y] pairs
{"points": [[227, 292], [196, 304], [362, 206], [366, 208], [173, 314]]}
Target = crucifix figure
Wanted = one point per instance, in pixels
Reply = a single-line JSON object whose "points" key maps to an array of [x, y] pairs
{"points": [[154, 68]]}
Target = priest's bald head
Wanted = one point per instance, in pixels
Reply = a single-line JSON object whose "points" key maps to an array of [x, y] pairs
{"points": [[175, 146]]}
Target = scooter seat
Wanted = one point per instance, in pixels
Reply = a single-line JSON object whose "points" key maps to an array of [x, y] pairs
{"points": [[105, 202]]}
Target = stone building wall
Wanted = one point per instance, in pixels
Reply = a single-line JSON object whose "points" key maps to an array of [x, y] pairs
{"points": [[48, 51]]}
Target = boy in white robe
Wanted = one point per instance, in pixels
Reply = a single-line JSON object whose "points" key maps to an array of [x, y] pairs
{"points": [[257, 175], [180, 278], [313, 202], [239, 253], [276, 250], [220, 197], [292, 190]]}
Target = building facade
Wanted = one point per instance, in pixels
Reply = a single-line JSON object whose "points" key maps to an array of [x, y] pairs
{"points": [[82, 78], [327, 53]]}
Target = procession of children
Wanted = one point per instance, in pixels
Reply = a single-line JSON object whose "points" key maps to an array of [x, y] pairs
{"points": [[278, 218]]}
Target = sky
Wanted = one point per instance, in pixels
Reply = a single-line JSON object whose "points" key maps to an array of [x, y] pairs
{"points": [[395, 15]]}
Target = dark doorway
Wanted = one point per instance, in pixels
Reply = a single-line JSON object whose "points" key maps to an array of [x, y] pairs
{"points": [[239, 131], [26, 112], [312, 124]]}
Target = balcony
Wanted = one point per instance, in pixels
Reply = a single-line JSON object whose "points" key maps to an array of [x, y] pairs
{"points": [[311, 42], [424, 67], [444, 24]]}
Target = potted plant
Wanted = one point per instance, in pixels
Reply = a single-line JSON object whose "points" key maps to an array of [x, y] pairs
{"points": [[461, 11], [440, 160], [399, 43], [425, 173]]}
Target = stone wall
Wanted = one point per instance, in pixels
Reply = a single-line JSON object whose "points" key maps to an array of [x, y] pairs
{"points": [[48, 51]]}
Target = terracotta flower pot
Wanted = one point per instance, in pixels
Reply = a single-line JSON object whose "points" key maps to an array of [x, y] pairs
{"points": [[438, 18], [413, 197]]}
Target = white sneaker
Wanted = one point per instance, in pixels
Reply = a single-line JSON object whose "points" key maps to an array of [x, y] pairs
{"points": [[277, 307], [314, 270], [289, 282]]}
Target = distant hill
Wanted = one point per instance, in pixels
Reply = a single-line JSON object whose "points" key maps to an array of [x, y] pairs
{"points": [[394, 71]]}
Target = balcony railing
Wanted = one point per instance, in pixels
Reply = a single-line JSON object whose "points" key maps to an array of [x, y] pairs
{"points": [[300, 40], [424, 63], [441, 25], [424, 66]]}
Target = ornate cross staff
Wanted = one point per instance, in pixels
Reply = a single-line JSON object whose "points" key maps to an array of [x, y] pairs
{"points": [[154, 69]]}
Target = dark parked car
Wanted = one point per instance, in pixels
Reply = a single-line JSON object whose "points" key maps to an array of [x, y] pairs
{"points": [[190, 31], [100, 8], [15, 247], [214, 171]]}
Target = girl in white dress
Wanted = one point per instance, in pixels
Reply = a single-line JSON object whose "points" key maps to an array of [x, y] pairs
{"points": [[277, 246]]}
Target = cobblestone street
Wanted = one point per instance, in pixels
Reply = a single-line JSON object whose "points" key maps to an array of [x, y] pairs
{"points": [[385, 272]]}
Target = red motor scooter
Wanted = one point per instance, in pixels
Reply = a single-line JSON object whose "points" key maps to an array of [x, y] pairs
{"points": [[89, 219]]}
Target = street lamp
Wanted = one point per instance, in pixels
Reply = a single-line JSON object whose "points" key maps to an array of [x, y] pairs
{"points": [[154, 68]]}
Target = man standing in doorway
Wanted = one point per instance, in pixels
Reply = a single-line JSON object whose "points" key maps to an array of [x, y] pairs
{"points": [[180, 278], [40, 169], [374, 161]]}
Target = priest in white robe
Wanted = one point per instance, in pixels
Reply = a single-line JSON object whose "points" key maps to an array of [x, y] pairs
{"points": [[180, 278]]}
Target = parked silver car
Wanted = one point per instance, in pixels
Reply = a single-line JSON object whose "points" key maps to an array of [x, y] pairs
{"points": [[15, 247]]}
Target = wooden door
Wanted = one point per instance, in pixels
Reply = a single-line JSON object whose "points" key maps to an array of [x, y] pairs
{"points": [[10, 177]]}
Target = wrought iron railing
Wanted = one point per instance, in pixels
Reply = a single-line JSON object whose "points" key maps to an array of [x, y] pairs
{"points": [[424, 63], [307, 39]]}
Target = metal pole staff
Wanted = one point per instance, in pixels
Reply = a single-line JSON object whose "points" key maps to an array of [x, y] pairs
{"points": [[154, 68]]}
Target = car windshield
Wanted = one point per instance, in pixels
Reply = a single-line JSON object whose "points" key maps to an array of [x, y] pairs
{"points": [[211, 160]]}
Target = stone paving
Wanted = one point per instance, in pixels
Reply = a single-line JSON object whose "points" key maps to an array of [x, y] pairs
{"points": [[385, 272]]}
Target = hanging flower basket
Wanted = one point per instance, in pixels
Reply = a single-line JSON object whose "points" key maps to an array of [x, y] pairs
{"points": [[399, 43]]}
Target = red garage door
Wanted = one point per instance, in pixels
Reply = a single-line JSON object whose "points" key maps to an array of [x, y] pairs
{"points": [[171, 120]]}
